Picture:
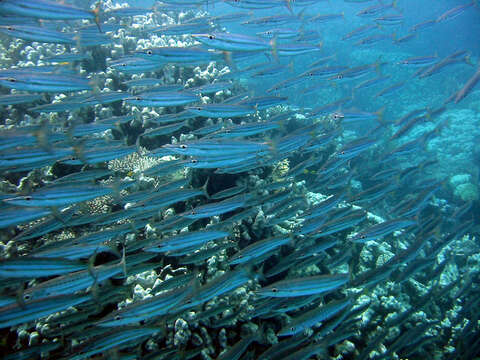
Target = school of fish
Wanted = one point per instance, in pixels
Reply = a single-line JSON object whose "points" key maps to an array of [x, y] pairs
{"points": [[201, 179]]}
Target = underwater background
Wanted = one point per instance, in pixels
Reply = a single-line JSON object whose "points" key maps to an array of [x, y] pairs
{"points": [[239, 179]]}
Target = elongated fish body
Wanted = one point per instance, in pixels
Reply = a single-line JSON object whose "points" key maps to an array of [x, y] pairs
{"points": [[73, 282], [45, 9], [186, 240], [308, 285], [34, 33], [227, 282], [218, 208], [233, 42], [13, 215], [216, 148], [468, 87], [24, 267], [162, 98], [44, 82], [314, 316], [60, 195], [383, 229], [149, 308], [15, 314], [221, 111], [115, 339], [258, 249], [177, 55]]}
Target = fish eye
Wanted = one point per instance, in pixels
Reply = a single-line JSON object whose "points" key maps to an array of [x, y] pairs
{"points": [[149, 52], [211, 37], [274, 290], [292, 328], [363, 236], [11, 80], [117, 317], [339, 76], [27, 296], [28, 198], [9, 28], [138, 98], [183, 146], [194, 161]]}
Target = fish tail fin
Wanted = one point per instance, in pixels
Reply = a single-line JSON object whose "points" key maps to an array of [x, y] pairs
{"points": [[42, 136], [273, 44], [380, 113], [57, 215], [228, 57], [301, 16], [205, 188], [378, 65], [443, 124], [96, 12], [123, 262], [468, 60], [292, 240], [117, 188], [91, 267], [288, 4], [21, 297], [259, 274], [353, 93], [137, 144], [79, 150], [291, 66]]}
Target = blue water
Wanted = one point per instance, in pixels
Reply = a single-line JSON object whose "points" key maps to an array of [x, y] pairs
{"points": [[110, 184]]}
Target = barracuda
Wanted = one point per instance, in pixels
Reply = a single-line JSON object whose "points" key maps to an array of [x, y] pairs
{"points": [[233, 42], [73, 282], [29, 267], [312, 317], [44, 82], [258, 249], [221, 110], [60, 195], [190, 239], [219, 208], [15, 314], [46, 9], [304, 286], [162, 99], [380, 230], [147, 309], [35, 33]]}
